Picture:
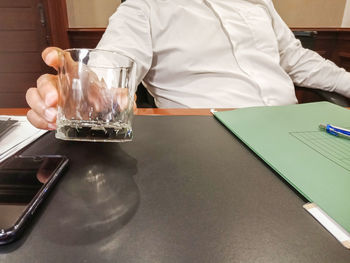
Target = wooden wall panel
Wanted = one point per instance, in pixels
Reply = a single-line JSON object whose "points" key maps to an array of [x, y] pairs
{"points": [[19, 82], [20, 62], [23, 37], [13, 100], [13, 41], [15, 3], [84, 38], [17, 19], [58, 22]]}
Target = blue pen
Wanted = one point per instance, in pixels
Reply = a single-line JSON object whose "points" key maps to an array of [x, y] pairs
{"points": [[336, 131]]}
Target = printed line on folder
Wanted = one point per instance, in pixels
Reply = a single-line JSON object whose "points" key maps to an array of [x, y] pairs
{"points": [[337, 151]]}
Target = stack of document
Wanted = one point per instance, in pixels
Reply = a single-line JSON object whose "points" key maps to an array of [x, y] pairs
{"points": [[17, 136]]}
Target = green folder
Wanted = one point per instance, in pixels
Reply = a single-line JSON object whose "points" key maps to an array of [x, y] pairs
{"points": [[288, 138]]}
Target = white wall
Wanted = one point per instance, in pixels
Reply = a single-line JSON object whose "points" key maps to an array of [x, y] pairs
{"points": [[346, 18], [90, 13], [311, 13], [297, 13]]}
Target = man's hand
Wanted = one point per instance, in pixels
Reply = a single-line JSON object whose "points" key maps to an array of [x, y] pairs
{"points": [[43, 99]]}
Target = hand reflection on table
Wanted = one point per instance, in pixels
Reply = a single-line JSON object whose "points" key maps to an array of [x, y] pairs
{"points": [[98, 196], [44, 172]]}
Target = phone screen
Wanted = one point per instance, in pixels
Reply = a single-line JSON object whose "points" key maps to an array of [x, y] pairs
{"points": [[21, 178]]}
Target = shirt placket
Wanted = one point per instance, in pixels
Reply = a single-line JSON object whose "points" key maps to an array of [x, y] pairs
{"points": [[241, 39]]}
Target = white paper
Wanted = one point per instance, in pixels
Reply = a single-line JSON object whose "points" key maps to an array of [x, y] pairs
{"points": [[18, 136]]}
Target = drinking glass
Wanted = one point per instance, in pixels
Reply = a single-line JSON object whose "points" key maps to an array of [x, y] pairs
{"points": [[96, 95]]}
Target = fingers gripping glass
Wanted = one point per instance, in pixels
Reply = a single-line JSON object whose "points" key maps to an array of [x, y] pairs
{"points": [[96, 95]]}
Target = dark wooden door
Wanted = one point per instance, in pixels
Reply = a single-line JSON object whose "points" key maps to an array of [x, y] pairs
{"points": [[22, 38]]}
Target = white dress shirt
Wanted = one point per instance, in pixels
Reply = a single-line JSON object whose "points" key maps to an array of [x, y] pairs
{"points": [[217, 53]]}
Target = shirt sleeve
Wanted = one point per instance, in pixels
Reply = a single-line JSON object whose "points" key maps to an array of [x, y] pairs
{"points": [[128, 32], [306, 67]]}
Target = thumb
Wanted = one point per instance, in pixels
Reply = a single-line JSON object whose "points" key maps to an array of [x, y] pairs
{"points": [[51, 56]]}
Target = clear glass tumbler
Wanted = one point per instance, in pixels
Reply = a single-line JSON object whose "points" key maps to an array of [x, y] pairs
{"points": [[96, 96]]}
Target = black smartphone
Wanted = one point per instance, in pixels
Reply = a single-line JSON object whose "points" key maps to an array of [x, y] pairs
{"points": [[24, 183]]}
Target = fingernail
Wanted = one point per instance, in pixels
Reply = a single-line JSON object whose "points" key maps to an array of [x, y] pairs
{"points": [[50, 114], [50, 99], [52, 126], [49, 59]]}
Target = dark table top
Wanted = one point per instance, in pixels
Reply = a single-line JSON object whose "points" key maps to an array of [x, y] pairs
{"points": [[184, 190]]}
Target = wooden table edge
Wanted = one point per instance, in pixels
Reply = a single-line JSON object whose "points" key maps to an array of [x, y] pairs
{"points": [[140, 112]]}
